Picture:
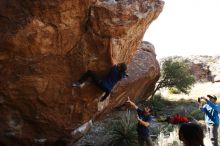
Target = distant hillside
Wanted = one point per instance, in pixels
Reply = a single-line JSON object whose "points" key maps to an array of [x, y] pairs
{"points": [[204, 68]]}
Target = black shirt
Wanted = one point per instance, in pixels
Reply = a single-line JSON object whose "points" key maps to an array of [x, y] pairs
{"points": [[142, 130]]}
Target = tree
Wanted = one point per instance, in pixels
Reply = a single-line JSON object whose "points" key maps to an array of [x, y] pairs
{"points": [[175, 74]]}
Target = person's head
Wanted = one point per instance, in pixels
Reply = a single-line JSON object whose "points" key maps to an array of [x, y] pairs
{"points": [[212, 98], [147, 110], [191, 134]]}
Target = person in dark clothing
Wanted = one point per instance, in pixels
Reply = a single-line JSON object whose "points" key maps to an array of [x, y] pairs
{"points": [[107, 83], [191, 134], [144, 118]]}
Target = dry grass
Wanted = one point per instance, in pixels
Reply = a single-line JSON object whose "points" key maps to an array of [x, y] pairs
{"points": [[199, 89]]}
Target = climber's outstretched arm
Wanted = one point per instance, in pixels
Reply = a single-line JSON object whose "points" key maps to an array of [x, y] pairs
{"points": [[132, 103]]}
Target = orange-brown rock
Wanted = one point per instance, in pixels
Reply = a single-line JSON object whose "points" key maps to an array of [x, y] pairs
{"points": [[45, 45]]}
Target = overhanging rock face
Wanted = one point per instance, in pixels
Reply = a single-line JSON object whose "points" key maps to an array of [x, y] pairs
{"points": [[45, 45]]}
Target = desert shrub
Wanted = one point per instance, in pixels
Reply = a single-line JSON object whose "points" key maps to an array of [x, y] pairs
{"points": [[197, 114], [174, 90], [123, 131], [175, 143], [156, 103]]}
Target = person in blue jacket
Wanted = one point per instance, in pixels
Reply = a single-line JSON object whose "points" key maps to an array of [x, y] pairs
{"points": [[144, 118], [106, 84], [211, 110]]}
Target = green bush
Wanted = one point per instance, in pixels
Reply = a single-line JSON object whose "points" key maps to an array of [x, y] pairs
{"points": [[123, 131], [175, 143], [197, 114], [175, 74], [174, 90], [156, 103]]}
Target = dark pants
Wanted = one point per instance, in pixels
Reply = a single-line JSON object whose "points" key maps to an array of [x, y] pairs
{"points": [[213, 134], [142, 141], [97, 80]]}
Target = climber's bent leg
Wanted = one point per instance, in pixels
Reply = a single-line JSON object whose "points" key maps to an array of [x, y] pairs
{"points": [[89, 74], [85, 76]]}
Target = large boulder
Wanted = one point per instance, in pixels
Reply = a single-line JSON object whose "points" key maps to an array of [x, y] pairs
{"points": [[45, 45]]}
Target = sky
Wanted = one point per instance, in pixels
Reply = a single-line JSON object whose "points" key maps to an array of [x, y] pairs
{"points": [[186, 27]]}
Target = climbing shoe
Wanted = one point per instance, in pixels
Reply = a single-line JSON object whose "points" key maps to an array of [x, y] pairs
{"points": [[78, 84], [104, 97]]}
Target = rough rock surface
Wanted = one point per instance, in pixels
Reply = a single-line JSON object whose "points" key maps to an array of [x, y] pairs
{"points": [[142, 68], [204, 68], [45, 45]]}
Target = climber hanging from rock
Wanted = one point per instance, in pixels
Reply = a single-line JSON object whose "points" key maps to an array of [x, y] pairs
{"points": [[117, 72], [106, 84]]}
